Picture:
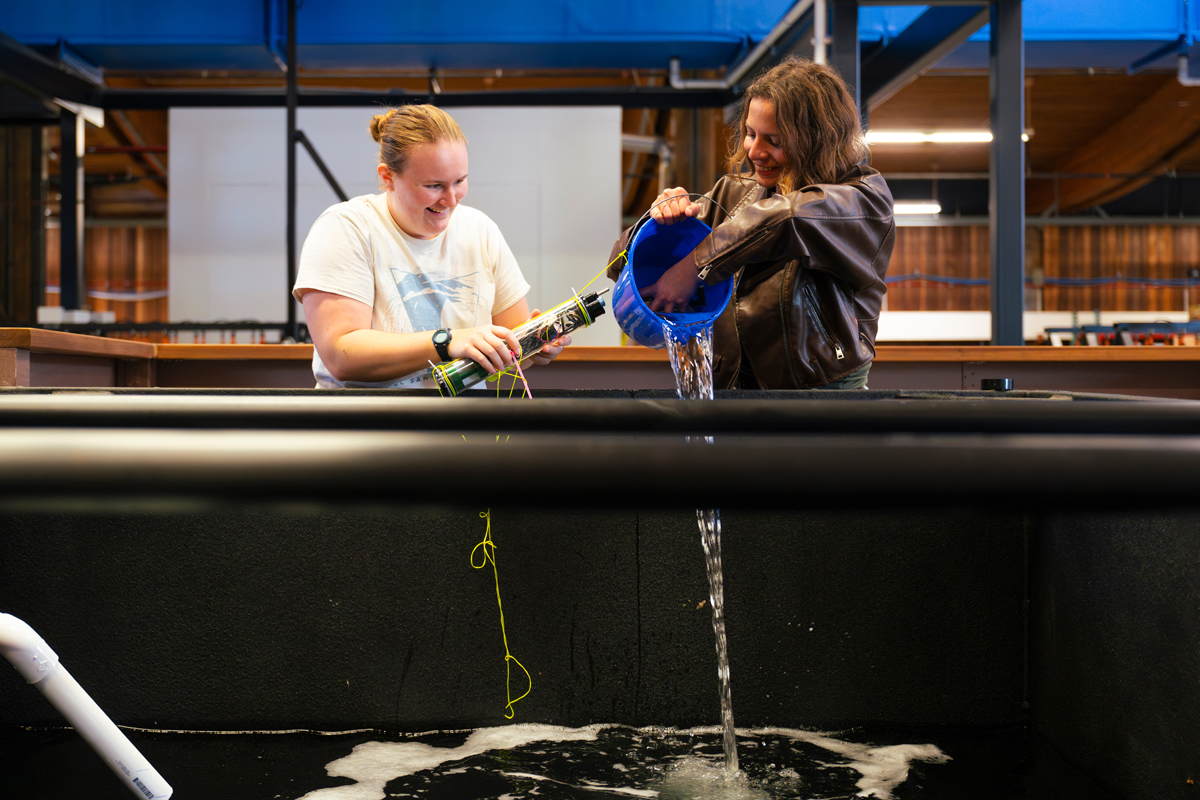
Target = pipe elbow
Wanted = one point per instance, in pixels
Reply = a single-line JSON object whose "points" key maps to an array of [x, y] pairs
{"points": [[673, 75], [1184, 75], [27, 651], [678, 82]]}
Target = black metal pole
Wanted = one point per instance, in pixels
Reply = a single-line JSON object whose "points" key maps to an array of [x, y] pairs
{"points": [[312, 151], [845, 54], [293, 67], [72, 286], [1006, 206]]}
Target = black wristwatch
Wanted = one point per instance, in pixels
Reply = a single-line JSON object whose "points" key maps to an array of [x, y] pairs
{"points": [[441, 343]]}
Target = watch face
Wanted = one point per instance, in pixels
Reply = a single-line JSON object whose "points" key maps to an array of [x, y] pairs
{"points": [[441, 337]]}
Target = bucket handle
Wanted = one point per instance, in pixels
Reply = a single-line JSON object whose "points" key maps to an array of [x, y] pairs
{"points": [[642, 219]]}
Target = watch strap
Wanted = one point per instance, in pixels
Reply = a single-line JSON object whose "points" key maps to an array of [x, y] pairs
{"points": [[441, 343]]}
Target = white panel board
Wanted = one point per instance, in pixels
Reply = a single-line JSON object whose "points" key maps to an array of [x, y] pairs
{"points": [[897, 327], [549, 177]]}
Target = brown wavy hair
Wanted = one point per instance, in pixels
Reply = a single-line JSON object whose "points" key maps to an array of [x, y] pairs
{"points": [[819, 129], [401, 129]]}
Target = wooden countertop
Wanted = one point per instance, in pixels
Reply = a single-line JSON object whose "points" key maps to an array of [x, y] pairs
{"points": [[37, 340], [234, 352], [896, 353], [1034, 353], [629, 355]]}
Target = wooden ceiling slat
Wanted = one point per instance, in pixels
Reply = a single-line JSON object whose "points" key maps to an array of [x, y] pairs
{"points": [[1148, 138], [1081, 123]]}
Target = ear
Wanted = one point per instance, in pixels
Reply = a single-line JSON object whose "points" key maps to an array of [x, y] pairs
{"points": [[385, 176]]}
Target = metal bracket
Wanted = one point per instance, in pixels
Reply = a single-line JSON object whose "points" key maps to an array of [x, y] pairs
{"points": [[1179, 47]]}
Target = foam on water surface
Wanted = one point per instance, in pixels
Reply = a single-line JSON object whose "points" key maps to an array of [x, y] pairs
{"points": [[882, 768], [374, 764], [518, 762]]}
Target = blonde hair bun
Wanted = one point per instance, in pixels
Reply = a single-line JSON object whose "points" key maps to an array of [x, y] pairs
{"points": [[401, 129], [378, 121]]}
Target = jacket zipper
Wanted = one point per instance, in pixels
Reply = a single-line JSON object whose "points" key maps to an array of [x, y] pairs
{"points": [[820, 320]]}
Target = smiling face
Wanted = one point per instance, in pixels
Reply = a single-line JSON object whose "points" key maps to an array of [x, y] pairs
{"points": [[424, 196], [762, 143]]}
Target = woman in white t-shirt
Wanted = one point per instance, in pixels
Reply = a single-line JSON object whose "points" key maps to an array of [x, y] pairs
{"points": [[393, 281]]}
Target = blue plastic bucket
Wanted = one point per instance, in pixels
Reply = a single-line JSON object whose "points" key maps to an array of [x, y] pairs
{"points": [[655, 249]]}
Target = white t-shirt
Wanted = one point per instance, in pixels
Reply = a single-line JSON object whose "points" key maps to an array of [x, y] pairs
{"points": [[458, 279]]}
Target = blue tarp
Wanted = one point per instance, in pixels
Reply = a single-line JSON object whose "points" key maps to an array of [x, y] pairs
{"points": [[1063, 20], [517, 34], [133, 34]]}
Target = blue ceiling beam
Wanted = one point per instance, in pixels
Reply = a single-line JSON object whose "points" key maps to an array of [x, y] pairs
{"points": [[889, 65]]}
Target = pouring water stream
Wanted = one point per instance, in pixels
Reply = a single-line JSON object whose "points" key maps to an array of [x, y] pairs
{"points": [[690, 349]]}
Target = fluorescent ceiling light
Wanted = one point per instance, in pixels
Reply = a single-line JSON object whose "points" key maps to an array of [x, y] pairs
{"points": [[915, 137], [896, 137], [925, 207], [961, 137], [939, 137]]}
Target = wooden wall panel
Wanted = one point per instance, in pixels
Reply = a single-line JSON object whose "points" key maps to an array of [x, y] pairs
{"points": [[134, 260], [124, 260], [1144, 255], [949, 252], [151, 272], [53, 260]]}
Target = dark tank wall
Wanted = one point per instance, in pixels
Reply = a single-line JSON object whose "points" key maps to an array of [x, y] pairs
{"points": [[1115, 649], [935, 560], [290, 616]]}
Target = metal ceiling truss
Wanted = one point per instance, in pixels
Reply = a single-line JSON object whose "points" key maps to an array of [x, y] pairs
{"points": [[894, 64], [34, 81]]}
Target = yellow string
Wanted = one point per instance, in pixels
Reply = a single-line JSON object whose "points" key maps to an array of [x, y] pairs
{"points": [[489, 557], [489, 550], [510, 371], [620, 255]]}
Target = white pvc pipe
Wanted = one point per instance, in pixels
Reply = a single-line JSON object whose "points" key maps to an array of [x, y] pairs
{"points": [[39, 665], [736, 73], [820, 31]]}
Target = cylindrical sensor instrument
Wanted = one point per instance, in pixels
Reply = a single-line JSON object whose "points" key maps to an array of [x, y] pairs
{"points": [[455, 377]]}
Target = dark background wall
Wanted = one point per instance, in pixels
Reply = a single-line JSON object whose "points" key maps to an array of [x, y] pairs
{"points": [[1115, 648], [307, 617]]}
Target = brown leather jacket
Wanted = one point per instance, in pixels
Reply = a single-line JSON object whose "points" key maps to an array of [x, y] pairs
{"points": [[809, 269]]}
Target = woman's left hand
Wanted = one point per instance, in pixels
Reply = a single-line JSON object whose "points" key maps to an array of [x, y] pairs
{"points": [[550, 350], [675, 289]]}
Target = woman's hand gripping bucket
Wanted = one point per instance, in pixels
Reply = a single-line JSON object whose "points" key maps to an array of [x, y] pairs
{"points": [[653, 250]]}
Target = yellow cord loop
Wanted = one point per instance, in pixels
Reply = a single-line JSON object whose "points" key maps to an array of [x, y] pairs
{"points": [[488, 548], [442, 369]]}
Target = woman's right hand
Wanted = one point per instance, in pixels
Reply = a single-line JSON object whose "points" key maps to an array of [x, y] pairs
{"points": [[676, 205], [490, 346]]}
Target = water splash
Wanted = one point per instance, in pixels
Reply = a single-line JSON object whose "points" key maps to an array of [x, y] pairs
{"points": [[691, 359], [691, 350]]}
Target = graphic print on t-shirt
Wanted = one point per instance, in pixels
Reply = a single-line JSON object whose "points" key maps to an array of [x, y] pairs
{"points": [[425, 295]]}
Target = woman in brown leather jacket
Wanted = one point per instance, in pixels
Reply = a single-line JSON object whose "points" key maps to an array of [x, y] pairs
{"points": [[804, 225]]}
